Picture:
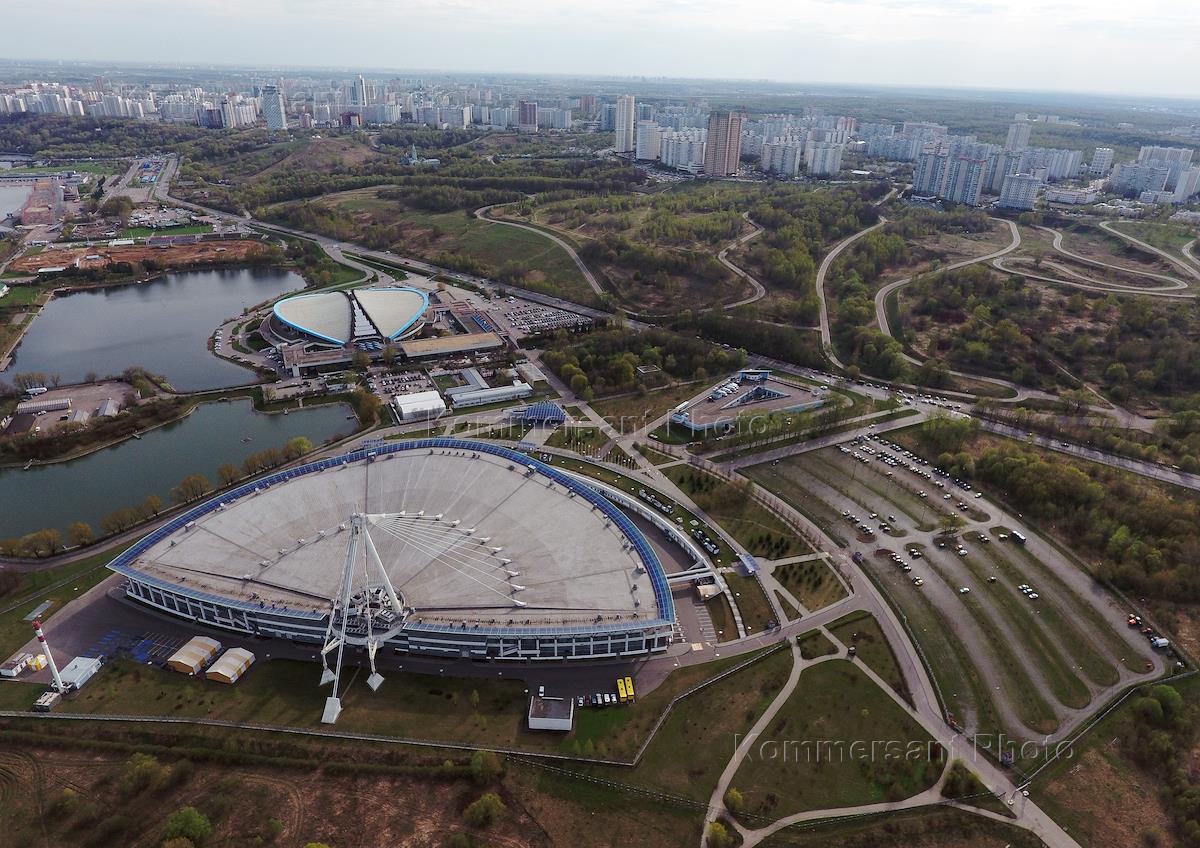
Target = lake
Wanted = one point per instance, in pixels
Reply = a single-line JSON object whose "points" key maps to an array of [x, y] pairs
{"points": [[93, 486], [12, 197], [162, 326]]}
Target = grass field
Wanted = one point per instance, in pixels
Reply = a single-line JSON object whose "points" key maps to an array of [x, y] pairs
{"points": [[790, 613], [631, 412], [427, 234], [815, 644], [812, 583], [805, 759], [185, 230], [760, 531], [584, 440], [752, 602], [19, 296], [861, 630]]}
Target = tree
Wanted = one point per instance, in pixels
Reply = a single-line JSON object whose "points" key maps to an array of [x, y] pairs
{"points": [[80, 533], [950, 523], [484, 811], [190, 487], [360, 360], [735, 802], [389, 354], [485, 766], [152, 505], [228, 474], [189, 823], [297, 447], [716, 835]]}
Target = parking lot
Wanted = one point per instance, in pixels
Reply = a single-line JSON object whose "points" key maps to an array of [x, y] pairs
{"points": [[1019, 637]]}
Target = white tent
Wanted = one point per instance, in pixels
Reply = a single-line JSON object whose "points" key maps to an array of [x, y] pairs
{"points": [[195, 655], [232, 665]]}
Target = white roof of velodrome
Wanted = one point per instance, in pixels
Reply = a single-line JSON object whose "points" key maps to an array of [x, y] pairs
{"points": [[573, 563], [330, 315]]}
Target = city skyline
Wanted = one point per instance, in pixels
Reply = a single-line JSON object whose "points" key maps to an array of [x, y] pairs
{"points": [[827, 42]]}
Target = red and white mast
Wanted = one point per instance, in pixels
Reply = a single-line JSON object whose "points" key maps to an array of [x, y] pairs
{"points": [[58, 684]]}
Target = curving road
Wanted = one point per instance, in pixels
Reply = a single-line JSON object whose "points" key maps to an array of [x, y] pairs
{"points": [[1108, 227], [822, 272], [759, 290], [482, 214]]}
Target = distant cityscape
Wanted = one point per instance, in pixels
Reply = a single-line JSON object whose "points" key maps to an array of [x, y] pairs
{"points": [[686, 137]]}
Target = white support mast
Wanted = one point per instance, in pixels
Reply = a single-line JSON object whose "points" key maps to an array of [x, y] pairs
{"points": [[365, 612]]}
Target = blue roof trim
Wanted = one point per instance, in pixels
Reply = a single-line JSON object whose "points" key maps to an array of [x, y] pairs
{"points": [[415, 318], [301, 327], [123, 563]]}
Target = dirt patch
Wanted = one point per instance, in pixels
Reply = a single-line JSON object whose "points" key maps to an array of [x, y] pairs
{"points": [[181, 255], [1094, 788], [324, 154]]}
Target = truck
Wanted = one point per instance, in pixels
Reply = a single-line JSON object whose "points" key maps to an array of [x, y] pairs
{"points": [[1018, 537]]}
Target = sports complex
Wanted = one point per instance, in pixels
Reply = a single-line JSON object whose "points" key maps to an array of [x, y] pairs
{"points": [[447, 547], [338, 318]]}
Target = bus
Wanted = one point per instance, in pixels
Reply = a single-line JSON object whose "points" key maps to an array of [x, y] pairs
{"points": [[1019, 538], [621, 696], [629, 688]]}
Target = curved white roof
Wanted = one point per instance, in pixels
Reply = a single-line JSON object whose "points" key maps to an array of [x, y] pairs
{"points": [[338, 317], [461, 532]]}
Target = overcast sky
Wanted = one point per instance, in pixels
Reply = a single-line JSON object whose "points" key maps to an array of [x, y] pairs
{"points": [[1149, 46]]}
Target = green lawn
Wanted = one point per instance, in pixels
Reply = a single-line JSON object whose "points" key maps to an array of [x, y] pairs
{"points": [[813, 583], [759, 530], [861, 630], [807, 760], [21, 296], [815, 644], [631, 412], [752, 602], [790, 613], [584, 440], [183, 230]]}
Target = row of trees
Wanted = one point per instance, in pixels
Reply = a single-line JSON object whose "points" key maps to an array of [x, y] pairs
{"points": [[49, 541], [606, 362]]}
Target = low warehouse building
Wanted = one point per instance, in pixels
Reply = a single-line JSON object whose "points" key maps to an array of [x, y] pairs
{"points": [[232, 665], [195, 655], [419, 405], [79, 671], [551, 713]]}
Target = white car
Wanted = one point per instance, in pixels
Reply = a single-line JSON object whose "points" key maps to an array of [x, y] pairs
{"points": [[964, 591]]}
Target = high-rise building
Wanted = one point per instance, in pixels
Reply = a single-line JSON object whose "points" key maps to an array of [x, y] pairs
{"points": [[527, 116], [1188, 185], [649, 141], [625, 124], [1137, 177], [782, 157], [1020, 191], [929, 177], [1102, 162], [823, 157], [1176, 159], [723, 147], [683, 149], [358, 92], [273, 108], [965, 179], [1018, 136]]}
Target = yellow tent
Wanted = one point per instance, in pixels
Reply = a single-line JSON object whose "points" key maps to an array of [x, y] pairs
{"points": [[195, 655], [232, 665]]}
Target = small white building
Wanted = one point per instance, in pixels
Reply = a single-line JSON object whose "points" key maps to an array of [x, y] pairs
{"points": [[79, 671], [551, 713], [419, 405]]}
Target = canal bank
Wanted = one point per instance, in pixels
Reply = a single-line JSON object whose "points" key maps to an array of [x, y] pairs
{"points": [[211, 435]]}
